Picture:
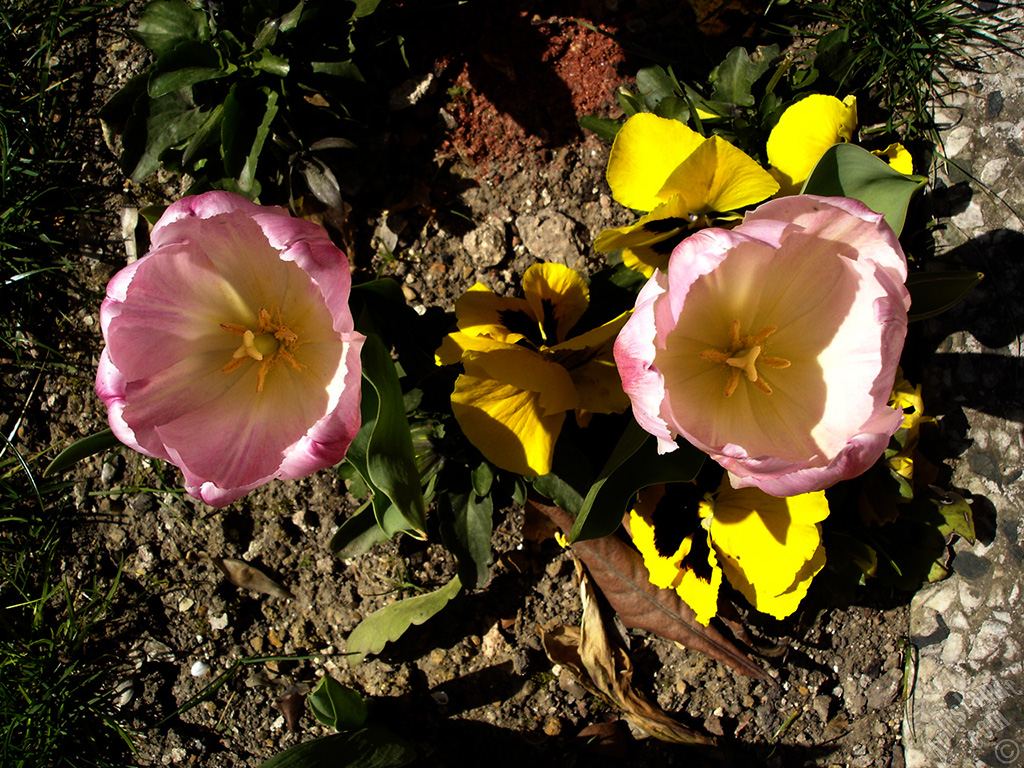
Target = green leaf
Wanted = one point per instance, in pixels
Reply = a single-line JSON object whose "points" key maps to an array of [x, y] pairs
{"points": [[846, 170], [247, 117], [390, 459], [364, 8], [734, 78], [605, 128], [336, 705], [467, 522], [81, 449], [933, 292], [357, 534], [483, 477], [957, 516], [629, 443], [345, 69], [373, 747], [185, 65], [390, 623], [609, 498], [269, 62], [673, 108], [158, 125], [167, 23], [654, 84], [206, 136]]}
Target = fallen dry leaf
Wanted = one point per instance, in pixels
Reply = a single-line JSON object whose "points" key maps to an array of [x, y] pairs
{"points": [[603, 667], [619, 572], [243, 575]]}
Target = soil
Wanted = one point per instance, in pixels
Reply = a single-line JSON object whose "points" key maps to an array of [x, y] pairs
{"points": [[502, 177]]}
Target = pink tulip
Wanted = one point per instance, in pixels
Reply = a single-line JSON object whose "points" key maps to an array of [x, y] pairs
{"points": [[774, 346], [230, 348]]}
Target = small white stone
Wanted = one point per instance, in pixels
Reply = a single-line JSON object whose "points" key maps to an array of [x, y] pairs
{"points": [[952, 649], [200, 669], [993, 170], [954, 141], [219, 622]]}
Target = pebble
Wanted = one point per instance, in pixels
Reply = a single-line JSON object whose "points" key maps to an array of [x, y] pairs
{"points": [[200, 669]]}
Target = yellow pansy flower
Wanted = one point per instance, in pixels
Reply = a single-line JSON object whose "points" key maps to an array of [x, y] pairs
{"points": [[522, 375], [769, 548], [909, 399], [803, 133], [898, 157], [681, 180]]}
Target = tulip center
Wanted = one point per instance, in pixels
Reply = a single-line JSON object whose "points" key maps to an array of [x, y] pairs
{"points": [[742, 357], [270, 343]]}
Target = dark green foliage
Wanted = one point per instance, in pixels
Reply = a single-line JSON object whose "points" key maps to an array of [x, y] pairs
{"points": [[247, 94]]}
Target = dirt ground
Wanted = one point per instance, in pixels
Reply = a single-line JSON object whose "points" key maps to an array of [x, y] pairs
{"points": [[489, 173]]}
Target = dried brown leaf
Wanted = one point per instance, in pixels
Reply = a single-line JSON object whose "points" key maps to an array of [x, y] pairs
{"points": [[621, 576], [603, 667], [243, 575]]}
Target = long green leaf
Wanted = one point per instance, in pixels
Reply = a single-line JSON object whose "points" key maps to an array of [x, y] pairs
{"points": [[372, 747], [846, 170], [467, 521], [603, 509], [357, 534], [933, 292], [158, 125], [390, 623], [337, 706], [81, 449], [247, 118], [390, 459]]}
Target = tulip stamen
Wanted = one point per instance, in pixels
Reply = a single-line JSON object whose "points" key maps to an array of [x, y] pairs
{"points": [[742, 357], [271, 341]]}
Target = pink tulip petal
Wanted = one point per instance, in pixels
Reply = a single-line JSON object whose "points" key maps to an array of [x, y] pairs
{"points": [[825, 277], [173, 322]]}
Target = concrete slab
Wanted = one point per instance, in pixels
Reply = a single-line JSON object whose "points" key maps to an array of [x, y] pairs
{"points": [[967, 706]]}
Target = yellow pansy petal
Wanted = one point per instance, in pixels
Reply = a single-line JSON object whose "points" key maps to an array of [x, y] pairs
{"points": [[782, 605], [664, 571], [764, 543], [719, 177], [649, 242], [506, 424], [692, 568], [455, 346], [898, 157], [557, 297], [527, 371], [646, 150], [804, 132], [481, 312], [600, 387], [698, 593]]}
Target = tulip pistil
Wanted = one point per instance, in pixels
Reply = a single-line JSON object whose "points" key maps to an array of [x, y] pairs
{"points": [[742, 357], [270, 342]]}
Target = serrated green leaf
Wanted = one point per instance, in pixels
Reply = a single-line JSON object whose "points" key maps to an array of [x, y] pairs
{"points": [[390, 623], [81, 449], [734, 78], [605, 128], [158, 125], [933, 292], [186, 64], [654, 85], [205, 137], [846, 170], [167, 23], [248, 114], [372, 747], [673, 108], [337, 706]]}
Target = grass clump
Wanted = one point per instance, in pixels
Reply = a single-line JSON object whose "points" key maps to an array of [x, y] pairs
{"points": [[903, 51], [57, 683]]}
